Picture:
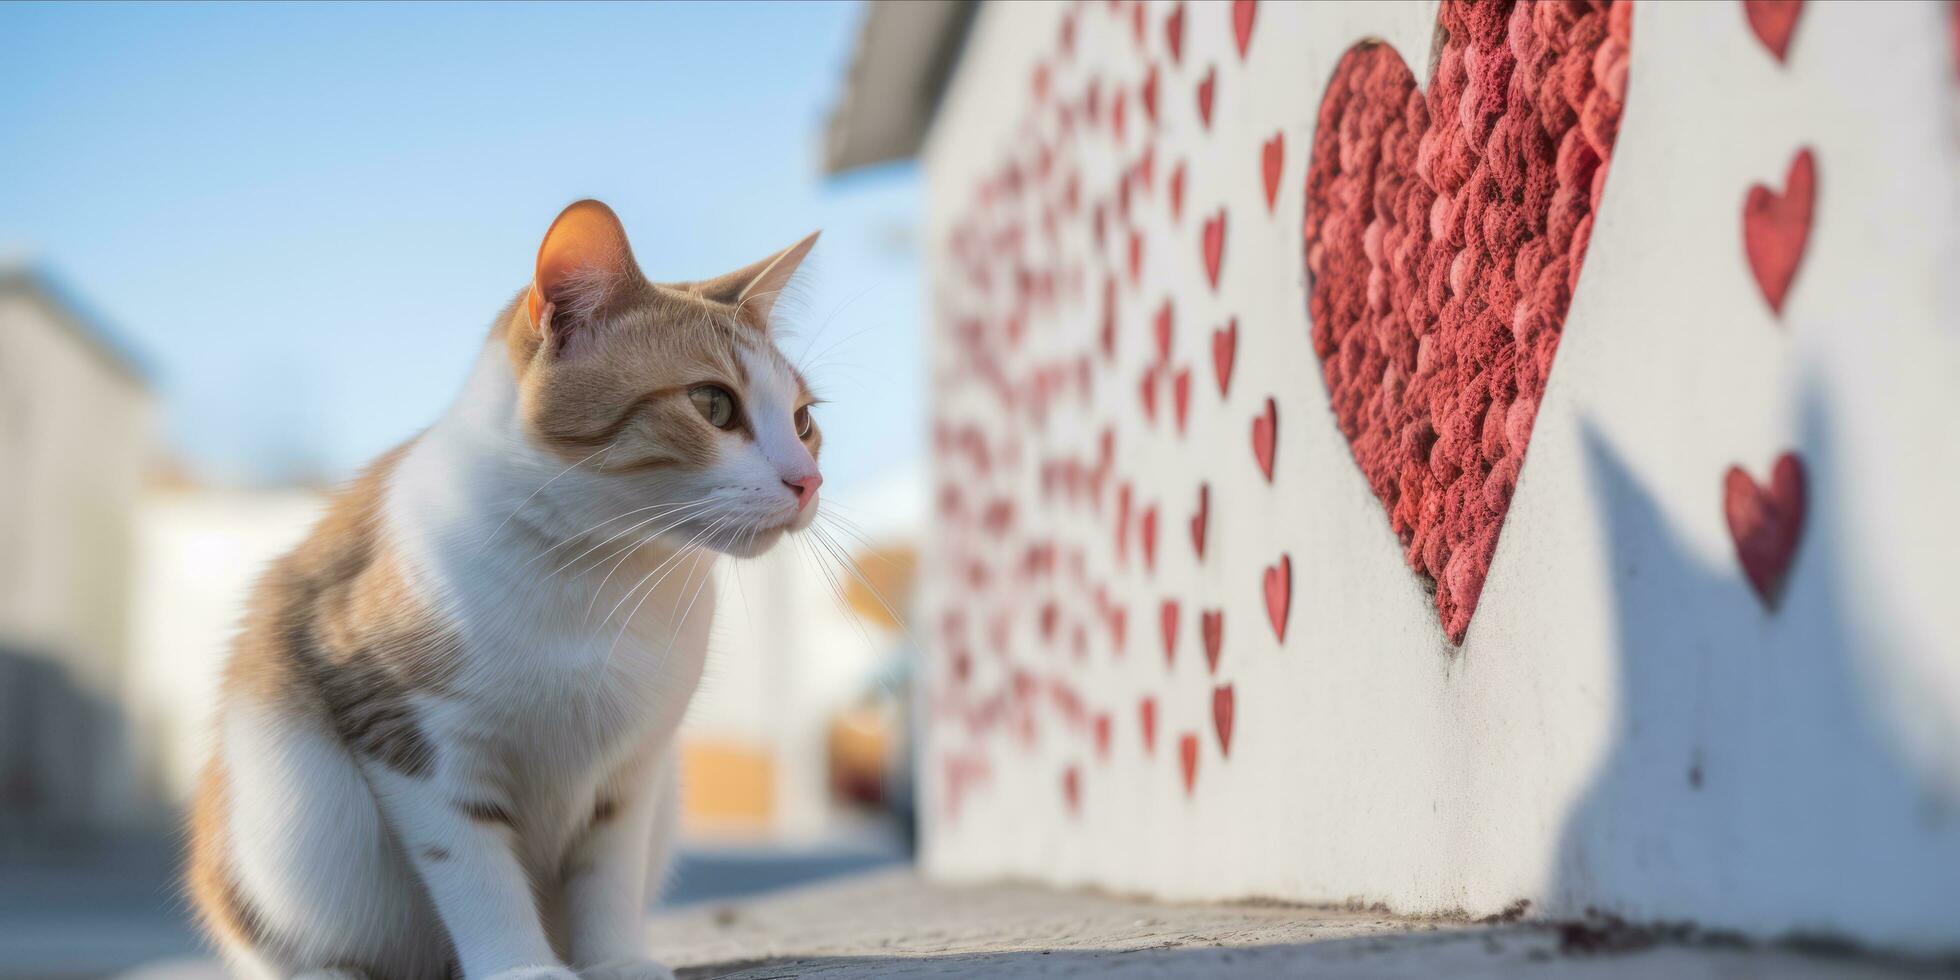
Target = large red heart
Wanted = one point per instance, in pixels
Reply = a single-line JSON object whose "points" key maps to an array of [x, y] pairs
{"points": [[1444, 236], [1766, 523], [1775, 228], [1147, 723]]}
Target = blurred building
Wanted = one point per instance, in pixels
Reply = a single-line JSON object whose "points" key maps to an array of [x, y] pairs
{"points": [[75, 440]]}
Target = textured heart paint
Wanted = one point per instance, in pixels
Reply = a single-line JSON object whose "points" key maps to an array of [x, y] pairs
{"points": [[1766, 523], [1444, 237]]}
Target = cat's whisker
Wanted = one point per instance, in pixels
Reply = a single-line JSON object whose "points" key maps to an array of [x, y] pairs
{"points": [[857, 534], [673, 631], [534, 495], [580, 536], [683, 550], [850, 565], [837, 590], [670, 512], [624, 557]]}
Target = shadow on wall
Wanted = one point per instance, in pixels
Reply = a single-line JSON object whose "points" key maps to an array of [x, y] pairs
{"points": [[61, 755], [1755, 779]]}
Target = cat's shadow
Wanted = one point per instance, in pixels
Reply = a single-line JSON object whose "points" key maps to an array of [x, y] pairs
{"points": [[1755, 778]]}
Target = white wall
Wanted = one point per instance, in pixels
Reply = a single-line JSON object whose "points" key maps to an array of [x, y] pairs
{"points": [[1625, 726], [199, 554]]}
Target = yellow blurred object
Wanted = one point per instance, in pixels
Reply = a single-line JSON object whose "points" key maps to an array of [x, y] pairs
{"points": [[727, 788], [889, 571]]}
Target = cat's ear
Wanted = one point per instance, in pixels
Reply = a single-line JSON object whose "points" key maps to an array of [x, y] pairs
{"points": [[584, 260], [753, 290]]}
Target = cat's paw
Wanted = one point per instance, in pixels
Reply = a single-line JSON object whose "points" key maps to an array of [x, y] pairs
{"points": [[626, 969], [534, 973]]}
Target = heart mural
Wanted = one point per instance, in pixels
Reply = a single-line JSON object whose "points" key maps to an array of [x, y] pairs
{"points": [[1445, 233]]}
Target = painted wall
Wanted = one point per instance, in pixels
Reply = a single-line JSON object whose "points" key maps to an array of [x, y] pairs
{"points": [[1181, 645]]}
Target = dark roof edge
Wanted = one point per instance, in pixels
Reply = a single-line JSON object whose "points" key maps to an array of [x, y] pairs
{"points": [[906, 53]]}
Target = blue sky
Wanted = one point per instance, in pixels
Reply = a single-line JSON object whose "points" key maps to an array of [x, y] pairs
{"points": [[306, 216]]}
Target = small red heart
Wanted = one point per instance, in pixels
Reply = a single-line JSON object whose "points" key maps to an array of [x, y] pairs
{"points": [[1072, 788], [1221, 717], [1123, 523], [1212, 625], [1181, 396], [1117, 114], [1147, 94], [1146, 169], [1776, 227], [1119, 628], [1136, 257], [1163, 332], [1773, 21], [1177, 192], [1147, 723], [1136, 23], [1174, 33], [1200, 519], [1187, 753], [1102, 723], [1214, 246], [1068, 34], [1109, 319], [1206, 88], [1271, 157], [1167, 620], [1224, 349], [1147, 535], [1147, 390], [1279, 594], [1099, 225], [1265, 430], [1766, 523], [1242, 11]]}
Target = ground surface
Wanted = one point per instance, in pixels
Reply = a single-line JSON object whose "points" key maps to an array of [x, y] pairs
{"points": [[58, 925], [889, 924]]}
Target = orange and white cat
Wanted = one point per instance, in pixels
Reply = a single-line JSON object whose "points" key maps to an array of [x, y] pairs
{"points": [[444, 744]]}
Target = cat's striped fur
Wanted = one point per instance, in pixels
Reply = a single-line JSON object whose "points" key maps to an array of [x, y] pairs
{"points": [[443, 746]]}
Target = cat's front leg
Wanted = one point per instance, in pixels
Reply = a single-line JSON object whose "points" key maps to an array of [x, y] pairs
{"points": [[460, 838], [606, 874]]}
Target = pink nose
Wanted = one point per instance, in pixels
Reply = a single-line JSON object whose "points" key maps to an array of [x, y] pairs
{"points": [[805, 488]]}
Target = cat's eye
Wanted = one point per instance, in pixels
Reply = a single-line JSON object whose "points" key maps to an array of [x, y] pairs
{"points": [[803, 423], [715, 404]]}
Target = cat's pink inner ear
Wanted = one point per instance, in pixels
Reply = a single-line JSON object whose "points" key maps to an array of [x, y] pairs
{"points": [[584, 253], [754, 289]]}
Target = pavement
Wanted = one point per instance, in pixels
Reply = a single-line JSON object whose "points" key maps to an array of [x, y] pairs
{"points": [[889, 923]]}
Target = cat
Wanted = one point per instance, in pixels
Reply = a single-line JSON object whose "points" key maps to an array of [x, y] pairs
{"points": [[444, 743]]}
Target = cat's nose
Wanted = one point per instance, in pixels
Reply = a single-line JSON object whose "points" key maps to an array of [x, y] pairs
{"points": [[805, 488]]}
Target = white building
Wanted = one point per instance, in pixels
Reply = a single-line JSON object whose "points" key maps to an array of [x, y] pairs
{"points": [[75, 441]]}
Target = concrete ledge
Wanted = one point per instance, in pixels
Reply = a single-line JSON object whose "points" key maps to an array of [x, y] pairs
{"points": [[892, 924]]}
